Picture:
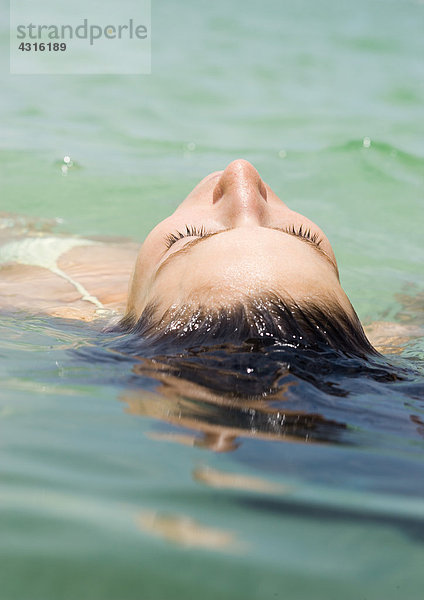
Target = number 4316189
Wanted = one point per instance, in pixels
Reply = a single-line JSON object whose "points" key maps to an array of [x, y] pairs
{"points": [[42, 46]]}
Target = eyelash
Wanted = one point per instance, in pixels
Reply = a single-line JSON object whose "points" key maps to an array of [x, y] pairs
{"points": [[193, 231], [304, 232], [190, 231]]}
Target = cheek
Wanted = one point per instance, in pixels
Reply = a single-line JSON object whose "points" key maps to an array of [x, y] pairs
{"points": [[140, 281], [299, 219]]}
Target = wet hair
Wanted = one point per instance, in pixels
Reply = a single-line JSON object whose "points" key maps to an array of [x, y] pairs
{"points": [[264, 365], [264, 320]]}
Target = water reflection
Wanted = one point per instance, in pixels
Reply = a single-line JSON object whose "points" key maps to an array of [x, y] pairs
{"points": [[185, 531], [220, 418], [237, 481]]}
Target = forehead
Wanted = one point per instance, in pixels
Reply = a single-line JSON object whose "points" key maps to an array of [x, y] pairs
{"points": [[240, 262], [271, 242]]}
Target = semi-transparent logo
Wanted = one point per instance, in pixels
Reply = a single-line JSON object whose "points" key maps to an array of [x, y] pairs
{"points": [[80, 37]]}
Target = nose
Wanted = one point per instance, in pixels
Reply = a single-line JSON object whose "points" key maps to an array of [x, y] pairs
{"points": [[241, 194]]}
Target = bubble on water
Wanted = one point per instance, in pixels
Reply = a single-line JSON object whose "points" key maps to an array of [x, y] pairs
{"points": [[191, 146], [366, 142], [282, 154], [67, 164]]}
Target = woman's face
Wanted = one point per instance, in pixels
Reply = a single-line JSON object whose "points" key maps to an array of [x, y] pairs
{"points": [[231, 237]]}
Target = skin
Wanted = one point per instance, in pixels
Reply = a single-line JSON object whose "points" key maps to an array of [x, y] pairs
{"points": [[246, 255], [104, 270], [251, 246]]}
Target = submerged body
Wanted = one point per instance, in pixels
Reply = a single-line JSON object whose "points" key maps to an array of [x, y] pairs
{"points": [[71, 278]]}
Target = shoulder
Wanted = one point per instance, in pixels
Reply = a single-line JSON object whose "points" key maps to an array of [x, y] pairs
{"points": [[65, 276], [391, 338]]}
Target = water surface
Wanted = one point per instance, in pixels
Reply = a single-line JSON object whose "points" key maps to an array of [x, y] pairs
{"points": [[108, 489]]}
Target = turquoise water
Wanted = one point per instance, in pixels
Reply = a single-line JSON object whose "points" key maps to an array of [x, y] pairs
{"points": [[326, 100]]}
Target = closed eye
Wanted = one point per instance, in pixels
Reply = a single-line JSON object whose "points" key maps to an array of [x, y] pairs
{"points": [[301, 231], [201, 234], [193, 231], [190, 231]]}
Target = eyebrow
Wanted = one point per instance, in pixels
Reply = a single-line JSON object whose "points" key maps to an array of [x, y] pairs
{"points": [[187, 247]]}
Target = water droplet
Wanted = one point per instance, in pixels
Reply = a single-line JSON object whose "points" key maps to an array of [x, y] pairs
{"points": [[282, 154], [366, 142]]}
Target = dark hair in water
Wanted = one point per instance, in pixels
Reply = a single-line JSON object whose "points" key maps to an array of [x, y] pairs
{"points": [[267, 319], [264, 364]]}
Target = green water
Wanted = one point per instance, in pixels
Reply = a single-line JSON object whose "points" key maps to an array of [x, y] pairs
{"points": [[297, 88]]}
